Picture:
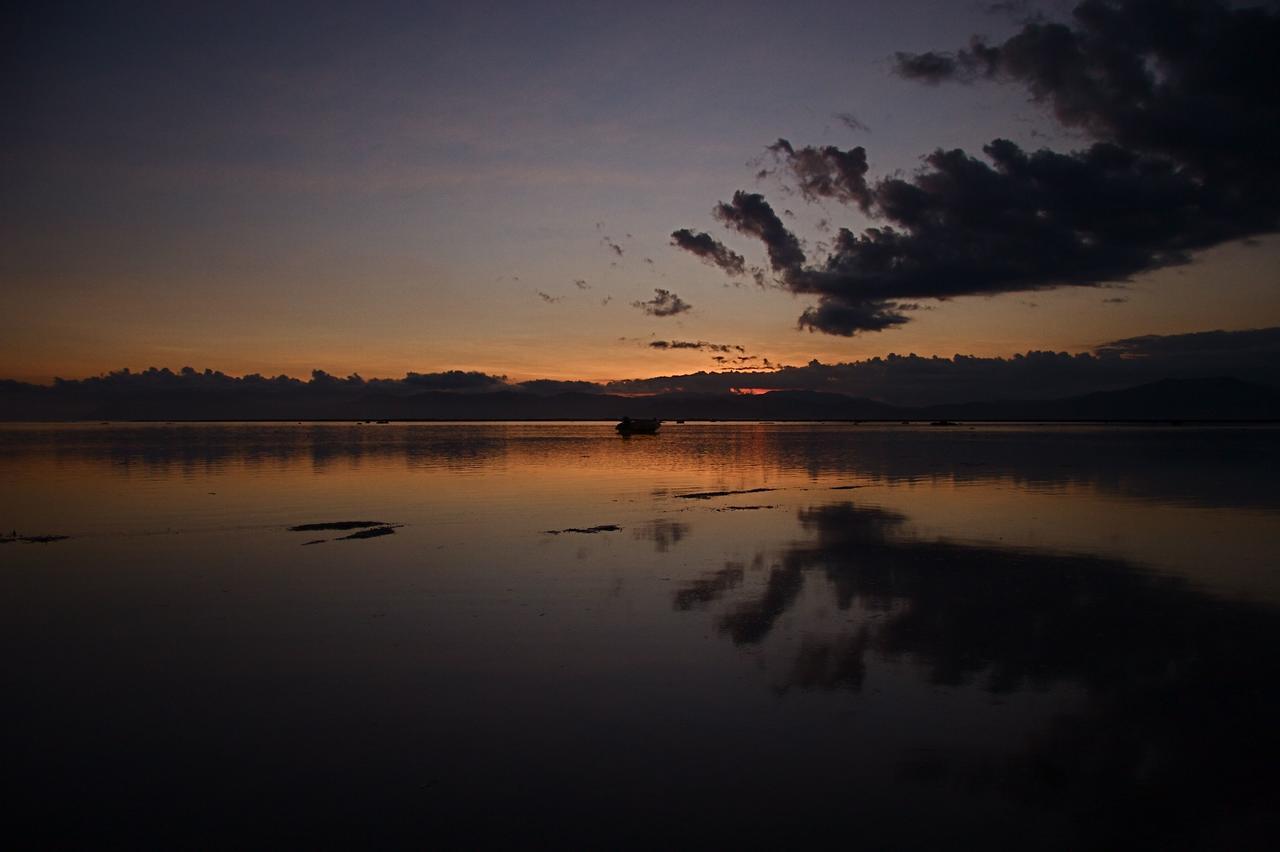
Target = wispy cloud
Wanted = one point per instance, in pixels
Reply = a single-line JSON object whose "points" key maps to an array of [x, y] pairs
{"points": [[695, 344], [663, 304]]}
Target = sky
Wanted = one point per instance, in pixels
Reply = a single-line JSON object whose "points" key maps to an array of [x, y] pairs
{"points": [[383, 188]]}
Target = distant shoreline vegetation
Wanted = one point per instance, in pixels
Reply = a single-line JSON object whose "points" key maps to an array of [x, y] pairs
{"points": [[1214, 399]]}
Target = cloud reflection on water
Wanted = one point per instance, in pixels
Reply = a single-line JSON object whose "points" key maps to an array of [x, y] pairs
{"points": [[1174, 742]]}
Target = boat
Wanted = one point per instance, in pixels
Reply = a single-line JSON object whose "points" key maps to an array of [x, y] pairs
{"points": [[628, 426]]}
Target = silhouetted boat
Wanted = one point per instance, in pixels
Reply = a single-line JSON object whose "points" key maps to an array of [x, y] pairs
{"points": [[638, 427]]}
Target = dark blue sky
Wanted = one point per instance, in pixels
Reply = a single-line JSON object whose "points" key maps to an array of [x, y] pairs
{"points": [[386, 187]]}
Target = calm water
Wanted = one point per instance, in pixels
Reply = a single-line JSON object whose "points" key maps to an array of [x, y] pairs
{"points": [[1020, 637]]}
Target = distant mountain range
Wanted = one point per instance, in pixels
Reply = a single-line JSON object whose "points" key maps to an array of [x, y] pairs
{"points": [[1221, 398]]}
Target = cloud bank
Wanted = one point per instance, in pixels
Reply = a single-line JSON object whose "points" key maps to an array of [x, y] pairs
{"points": [[909, 379]]}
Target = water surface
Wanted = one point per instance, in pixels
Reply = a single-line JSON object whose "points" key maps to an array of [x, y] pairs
{"points": [[759, 634]]}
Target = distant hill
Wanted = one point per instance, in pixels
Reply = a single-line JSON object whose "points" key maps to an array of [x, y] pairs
{"points": [[1221, 398]]}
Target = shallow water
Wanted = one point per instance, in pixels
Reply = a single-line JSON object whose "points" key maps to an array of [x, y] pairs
{"points": [[1024, 636]]}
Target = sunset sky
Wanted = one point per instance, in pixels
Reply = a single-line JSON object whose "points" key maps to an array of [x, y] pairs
{"points": [[390, 187]]}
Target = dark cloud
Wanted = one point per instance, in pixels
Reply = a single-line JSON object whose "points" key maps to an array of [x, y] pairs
{"points": [[710, 250], [1260, 344], [612, 246], [581, 284], [548, 298], [750, 214], [695, 344], [828, 172], [1192, 80], [1016, 222], [663, 304], [836, 316], [1178, 102], [928, 67]]}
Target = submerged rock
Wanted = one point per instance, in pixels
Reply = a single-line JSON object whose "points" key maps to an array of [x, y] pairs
{"points": [[34, 539], [587, 530], [707, 495], [370, 533]]}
